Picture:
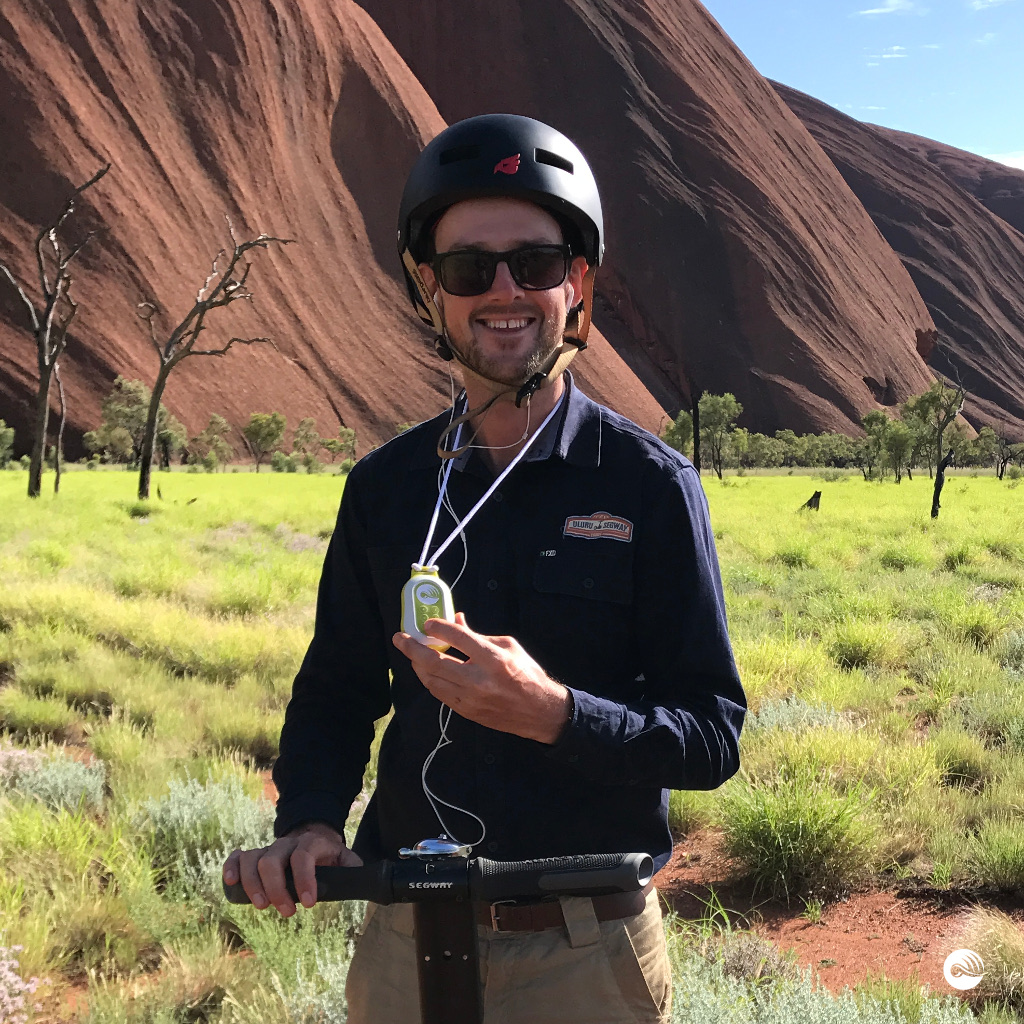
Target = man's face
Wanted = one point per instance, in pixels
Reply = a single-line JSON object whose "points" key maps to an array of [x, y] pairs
{"points": [[507, 332]]}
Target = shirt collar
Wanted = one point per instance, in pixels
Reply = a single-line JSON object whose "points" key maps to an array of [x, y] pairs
{"points": [[573, 435]]}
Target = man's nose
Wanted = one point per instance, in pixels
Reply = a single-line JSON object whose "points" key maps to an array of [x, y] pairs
{"points": [[504, 284]]}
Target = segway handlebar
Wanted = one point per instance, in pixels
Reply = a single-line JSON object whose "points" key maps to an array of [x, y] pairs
{"points": [[478, 879]]}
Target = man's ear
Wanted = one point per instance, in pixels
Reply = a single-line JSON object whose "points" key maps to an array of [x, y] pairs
{"points": [[577, 271], [427, 273]]}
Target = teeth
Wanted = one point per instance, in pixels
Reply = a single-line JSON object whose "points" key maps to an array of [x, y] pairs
{"points": [[505, 325]]}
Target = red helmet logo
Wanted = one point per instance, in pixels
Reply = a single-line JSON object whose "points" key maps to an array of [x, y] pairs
{"points": [[507, 166]]}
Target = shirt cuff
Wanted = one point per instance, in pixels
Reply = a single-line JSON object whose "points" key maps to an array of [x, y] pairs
{"points": [[310, 807], [593, 725]]}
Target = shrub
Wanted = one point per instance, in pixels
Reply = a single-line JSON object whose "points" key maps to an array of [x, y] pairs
{"points": [[857, 644], [59, 781], [963, 759], [999, 941], [25, 716], [281, 463], [345, 466], [795, 555], [978, 624], [795, 714], [14, 988], [901, 557], [799, 837], [1011, 652], [194, 819], [958, 557], [997, 854]]}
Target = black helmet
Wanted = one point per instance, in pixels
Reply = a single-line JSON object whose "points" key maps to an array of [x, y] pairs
{"points": [[497, 155]]}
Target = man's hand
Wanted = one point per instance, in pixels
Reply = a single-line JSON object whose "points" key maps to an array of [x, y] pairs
{"points": [[500, 686], [261, 872]]}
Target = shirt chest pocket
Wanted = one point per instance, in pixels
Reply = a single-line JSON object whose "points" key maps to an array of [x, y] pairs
{"points": [[595, 576], [578, 615]]}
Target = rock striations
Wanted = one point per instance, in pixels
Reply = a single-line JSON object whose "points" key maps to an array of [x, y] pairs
{"points": [[967, 262], [294, 117], [738, 258]]}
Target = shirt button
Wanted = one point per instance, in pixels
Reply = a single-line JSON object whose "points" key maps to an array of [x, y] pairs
{"points": [[492, 846], [498, 496], [573, 758], [588, 584], [492, 584], [489, 759]]}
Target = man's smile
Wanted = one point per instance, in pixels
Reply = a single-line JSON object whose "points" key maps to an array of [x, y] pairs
{"points": [[506, 324]]}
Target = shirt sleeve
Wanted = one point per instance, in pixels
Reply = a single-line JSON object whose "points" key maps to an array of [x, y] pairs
{"points": [[342, 686], [683, 730]]}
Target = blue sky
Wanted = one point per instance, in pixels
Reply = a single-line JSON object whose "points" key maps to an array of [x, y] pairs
{"points": [[951, 70]]}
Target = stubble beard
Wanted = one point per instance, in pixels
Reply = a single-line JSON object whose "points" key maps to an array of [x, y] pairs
{"points": [[549, 336]]}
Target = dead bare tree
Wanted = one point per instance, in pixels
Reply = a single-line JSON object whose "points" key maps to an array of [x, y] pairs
{"points": [[58, 448], [51, 319], [221, 288]]}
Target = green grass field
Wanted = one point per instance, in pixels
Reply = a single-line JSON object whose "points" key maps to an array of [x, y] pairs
{"points": [[147, 653]]}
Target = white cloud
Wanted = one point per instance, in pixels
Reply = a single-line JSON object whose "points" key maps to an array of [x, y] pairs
{"points": [[1010, 159], [872, 63], [988, 37], [892, 7], [873, 108], [981, 5], [890, 53]]}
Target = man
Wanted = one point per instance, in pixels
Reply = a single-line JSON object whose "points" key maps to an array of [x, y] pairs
{"points": [[590, 669]]}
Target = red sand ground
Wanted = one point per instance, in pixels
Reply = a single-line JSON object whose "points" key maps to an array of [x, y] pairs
{"points": [[901, 935]]}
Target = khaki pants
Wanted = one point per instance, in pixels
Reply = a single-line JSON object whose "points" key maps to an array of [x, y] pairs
{"points": [[589, 972]]}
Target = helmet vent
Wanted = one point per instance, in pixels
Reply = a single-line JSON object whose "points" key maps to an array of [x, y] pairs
{"points": [[457, 154], [542, 156]]}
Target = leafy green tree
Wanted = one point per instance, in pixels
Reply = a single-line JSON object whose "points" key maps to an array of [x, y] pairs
{"points": [[112, 444], [765, 451], [679, 433], [6, 444], [307, 440], [899, 445], [263, 434], [871, 451], [344, 444], [212, 440], [985, 448], [717, 415]]}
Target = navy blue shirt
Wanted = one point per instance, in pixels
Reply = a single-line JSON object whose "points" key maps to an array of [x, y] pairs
{"points": [[597, 555]]}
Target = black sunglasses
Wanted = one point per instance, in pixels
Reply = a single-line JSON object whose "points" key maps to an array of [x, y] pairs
{"points": [[533, 267]]}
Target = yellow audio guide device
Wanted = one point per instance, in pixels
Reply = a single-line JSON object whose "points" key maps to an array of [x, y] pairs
{"points": [[426, 596]]}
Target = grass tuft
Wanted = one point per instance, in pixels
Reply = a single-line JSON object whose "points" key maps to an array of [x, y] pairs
{"points": [[799, 838]]}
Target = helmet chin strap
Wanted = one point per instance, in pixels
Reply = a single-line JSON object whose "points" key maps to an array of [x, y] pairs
{"points": [[574, 339]]}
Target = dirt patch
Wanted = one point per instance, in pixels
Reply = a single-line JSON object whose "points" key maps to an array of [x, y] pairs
{"points": [[902, 934]]}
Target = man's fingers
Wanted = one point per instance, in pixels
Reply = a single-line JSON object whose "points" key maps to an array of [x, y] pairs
{"points": [[304, 874], [271, 872], [459, 635], [230, 869], [248, 874]]}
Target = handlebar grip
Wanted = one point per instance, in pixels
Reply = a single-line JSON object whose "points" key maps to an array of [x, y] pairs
{"points": [[371, 882], [594, 874]]}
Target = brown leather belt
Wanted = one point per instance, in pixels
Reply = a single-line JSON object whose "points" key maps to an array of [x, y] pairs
{"points": [[536, 917]]}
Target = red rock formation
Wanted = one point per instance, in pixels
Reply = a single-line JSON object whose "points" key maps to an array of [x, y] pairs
{"points": [[738, 259], [998, 187], [966, 262], [294, 117]]}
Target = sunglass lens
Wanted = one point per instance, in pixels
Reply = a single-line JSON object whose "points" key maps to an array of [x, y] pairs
{"points": [[538, 268], [467, 273]]}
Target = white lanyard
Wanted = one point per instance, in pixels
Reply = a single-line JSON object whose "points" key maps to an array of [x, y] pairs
{"points": [[490, 490]]}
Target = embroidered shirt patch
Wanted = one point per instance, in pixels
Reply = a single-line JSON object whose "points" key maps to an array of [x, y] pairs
{"points": [[600, 524]]}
